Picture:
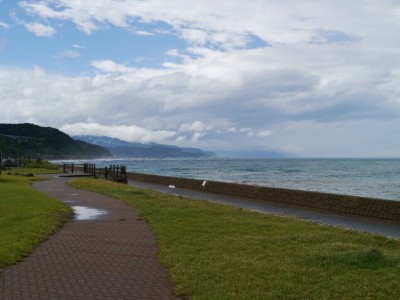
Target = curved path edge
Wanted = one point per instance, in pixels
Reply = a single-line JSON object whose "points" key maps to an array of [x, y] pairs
{"points": [[106, 252]]}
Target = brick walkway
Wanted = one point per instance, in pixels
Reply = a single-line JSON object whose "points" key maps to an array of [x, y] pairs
{"points": [[113, 256]]}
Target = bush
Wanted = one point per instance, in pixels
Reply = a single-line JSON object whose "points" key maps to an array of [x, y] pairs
{"points": [[42, 165]]}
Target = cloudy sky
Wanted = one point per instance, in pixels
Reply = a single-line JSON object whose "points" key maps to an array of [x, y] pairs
{"points": [[314, 78]]}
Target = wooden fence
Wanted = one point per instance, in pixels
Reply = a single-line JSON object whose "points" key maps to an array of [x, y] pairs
{"points": [[113, 172], [71, 167], [116, 173]]}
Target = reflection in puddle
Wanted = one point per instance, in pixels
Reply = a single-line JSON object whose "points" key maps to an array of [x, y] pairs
{"points": [[87, 213]]}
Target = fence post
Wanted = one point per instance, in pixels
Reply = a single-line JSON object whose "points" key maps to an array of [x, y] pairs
{"points": [[123, 174]]}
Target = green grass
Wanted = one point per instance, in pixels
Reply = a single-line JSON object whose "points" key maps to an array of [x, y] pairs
{"points": [[27, 217], [39, 164], [219, 252], [35, 167]]}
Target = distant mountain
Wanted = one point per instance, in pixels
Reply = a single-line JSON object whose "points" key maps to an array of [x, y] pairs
{"points": [[34, 141], [119, 148]]}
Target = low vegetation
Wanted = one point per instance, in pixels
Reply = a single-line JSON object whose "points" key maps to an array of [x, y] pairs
{"points": [[219, 252], [27, 217], [34, 167]]}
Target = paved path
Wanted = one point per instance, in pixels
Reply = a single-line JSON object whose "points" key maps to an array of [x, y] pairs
{"points": [[355, 223], [113, 256]]}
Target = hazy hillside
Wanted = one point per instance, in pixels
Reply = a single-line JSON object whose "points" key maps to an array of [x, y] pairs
{"points": [[44, 142], [119, 148]]}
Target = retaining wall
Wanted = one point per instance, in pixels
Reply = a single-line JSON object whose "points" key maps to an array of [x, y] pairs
{"points": [[359, 206]]}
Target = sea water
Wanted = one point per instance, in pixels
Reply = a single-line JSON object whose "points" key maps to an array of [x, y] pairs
{"points": [[377, 178]]}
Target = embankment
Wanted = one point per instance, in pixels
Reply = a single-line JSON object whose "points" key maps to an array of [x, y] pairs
{"points": [[385, 210]]}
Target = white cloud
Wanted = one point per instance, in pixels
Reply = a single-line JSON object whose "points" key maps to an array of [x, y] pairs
{"points": [[101, 105], [247, 71], [38, 71], [70, 53], [130, 133], [4, 25], [110, 66], [264, 133], [40, 29], [197, 136], [143, 33], [282, 22], [196, 126]]}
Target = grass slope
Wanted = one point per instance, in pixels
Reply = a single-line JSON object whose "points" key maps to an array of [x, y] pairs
{"points": [[27, 217], [219, 252]]}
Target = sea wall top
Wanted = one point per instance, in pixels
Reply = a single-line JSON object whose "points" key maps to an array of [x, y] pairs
{"points": [[386, 210]]}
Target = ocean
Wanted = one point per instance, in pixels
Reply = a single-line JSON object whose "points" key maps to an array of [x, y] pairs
{"points": [[376, 178]]}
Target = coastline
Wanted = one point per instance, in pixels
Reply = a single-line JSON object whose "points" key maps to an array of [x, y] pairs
{"points": [[371, 178], [352, 205]]}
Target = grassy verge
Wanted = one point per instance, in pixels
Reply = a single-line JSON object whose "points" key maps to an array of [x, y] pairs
{"points": [[27, 217], [42, 167], [220, 252]]}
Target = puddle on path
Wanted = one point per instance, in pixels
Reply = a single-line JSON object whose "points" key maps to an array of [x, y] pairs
{"points": [[87, 213]]}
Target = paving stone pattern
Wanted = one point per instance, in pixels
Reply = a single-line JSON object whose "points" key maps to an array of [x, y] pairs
{"points": [[113, 256]]}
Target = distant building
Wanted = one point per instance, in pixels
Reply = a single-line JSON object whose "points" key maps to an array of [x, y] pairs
{"points": [[8, 162]]}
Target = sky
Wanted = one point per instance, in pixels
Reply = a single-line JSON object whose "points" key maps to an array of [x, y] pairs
{"points": [[310, 78]]}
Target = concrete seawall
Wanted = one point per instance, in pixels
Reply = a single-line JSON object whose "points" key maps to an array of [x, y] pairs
{"points": [[386, 210]]}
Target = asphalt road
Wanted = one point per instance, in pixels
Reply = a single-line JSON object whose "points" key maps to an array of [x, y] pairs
{"points": [[354, 223]]}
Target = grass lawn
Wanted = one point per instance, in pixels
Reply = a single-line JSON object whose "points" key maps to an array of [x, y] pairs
{"points": [[42, 167], [219, 252], [27, 217]]}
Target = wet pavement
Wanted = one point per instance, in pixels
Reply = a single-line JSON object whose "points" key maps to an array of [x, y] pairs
{"points": [[87, 213], [105, 252], [354, 223]]}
